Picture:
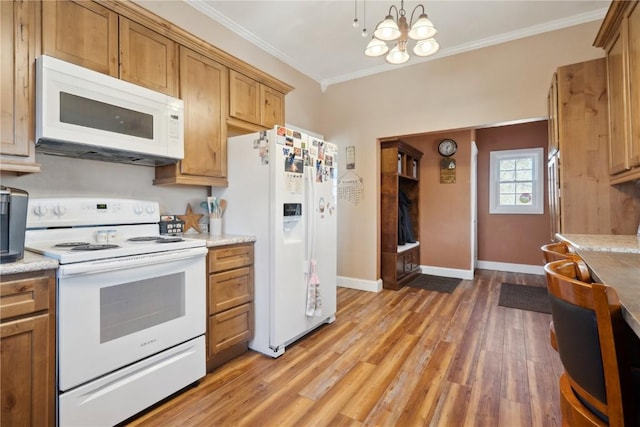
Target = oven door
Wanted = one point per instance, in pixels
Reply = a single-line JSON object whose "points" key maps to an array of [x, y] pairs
{"points": [[114, 312]]}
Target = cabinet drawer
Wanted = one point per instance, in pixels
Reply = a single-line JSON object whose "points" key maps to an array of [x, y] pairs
{"points": [[23, 295], [407, 262], [229, 257], [230, 327], [230, 288]]}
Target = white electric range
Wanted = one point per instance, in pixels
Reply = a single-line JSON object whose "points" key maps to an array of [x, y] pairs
{"points": [[131, 305]]}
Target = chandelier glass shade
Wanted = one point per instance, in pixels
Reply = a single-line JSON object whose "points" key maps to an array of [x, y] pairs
{"points": [[400, 31]]}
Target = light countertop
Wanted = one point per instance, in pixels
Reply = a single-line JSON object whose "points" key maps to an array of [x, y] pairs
{"points": [[222, 240], [602, 242], [37, 262], [30, 262], [621, 271], [615, 261]]}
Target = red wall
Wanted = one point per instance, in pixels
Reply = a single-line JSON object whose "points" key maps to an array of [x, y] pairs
{"points": [[510, 238], [445, 209]]}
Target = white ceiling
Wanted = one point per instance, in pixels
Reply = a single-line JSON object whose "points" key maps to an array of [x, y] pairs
{"points": [[318, 39]]}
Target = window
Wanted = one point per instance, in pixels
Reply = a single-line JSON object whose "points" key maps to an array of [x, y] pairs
{"points": [[517, 179]]}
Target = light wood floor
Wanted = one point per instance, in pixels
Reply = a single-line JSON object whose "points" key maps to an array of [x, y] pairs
{"points": [[397, 358]]}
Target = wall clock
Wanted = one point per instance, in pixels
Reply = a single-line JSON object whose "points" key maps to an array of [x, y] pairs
{"points": [[447, 147]]}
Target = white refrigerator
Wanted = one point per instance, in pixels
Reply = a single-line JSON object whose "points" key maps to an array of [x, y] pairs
{"points": [[282, 190]]}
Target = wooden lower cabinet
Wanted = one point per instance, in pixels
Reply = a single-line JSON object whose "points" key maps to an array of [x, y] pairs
{"points": [[407, 264], [27, 349], [229, 302]]}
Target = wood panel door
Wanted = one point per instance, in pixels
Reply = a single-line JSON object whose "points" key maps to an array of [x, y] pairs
{"points": [[203, 88], [633, 49], [25, 391], [83, 33], [27, 348], [244, 97], [618, 159], [272, 107], [147, 58], [18, 43]]}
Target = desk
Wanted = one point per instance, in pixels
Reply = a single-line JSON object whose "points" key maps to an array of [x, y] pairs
{"points": [[621, 271]]}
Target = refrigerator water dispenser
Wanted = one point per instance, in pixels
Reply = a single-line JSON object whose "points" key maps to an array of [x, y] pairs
{"points": [[291, 216]]}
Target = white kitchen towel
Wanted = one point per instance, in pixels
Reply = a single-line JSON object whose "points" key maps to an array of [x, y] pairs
{"points": [[314, 303]]}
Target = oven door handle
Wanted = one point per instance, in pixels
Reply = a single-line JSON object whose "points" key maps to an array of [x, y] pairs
{"points": [[122, 263]]}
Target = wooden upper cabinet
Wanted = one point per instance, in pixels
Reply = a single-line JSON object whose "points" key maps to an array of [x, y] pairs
{"points": [[618, 159], [244, 97], [633, 29], [19, 35], [81, 32], [253, 102], [203, 88], [148, 58], [619, 35], [272, 107]]}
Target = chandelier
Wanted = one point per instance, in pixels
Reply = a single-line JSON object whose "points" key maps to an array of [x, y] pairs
{"points": [[396, 29]]}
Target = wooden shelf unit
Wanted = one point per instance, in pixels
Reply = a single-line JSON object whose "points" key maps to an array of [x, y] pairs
{"points": [[399, 172]]}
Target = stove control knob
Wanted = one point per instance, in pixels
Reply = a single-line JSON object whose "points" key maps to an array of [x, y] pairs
{"points": [[138, 209], [150, 209], [40, 210], [59, 210]]}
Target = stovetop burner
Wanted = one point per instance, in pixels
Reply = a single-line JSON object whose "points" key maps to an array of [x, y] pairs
{"points": [[70, 244], [93, 247], [155, 239], [169, 239], [143, 239]]}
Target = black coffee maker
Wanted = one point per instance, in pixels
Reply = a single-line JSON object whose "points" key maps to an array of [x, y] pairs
{"points": [[13, 217]]}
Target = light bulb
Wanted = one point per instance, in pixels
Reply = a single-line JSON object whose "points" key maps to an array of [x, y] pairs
{"points": [[355, 23], [364, 32]]}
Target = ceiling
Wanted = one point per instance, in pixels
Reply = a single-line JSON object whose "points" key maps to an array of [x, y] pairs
{"points": [[318, 39]]}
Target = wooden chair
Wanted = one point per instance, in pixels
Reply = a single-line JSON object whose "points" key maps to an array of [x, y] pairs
{"points": [[597, 387], [556, 251], [559, 251]]}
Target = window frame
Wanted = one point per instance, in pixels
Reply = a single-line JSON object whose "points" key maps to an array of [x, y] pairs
{"points": [[537, 191]]}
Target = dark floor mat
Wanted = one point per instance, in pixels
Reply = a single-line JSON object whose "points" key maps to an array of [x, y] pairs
{"points": [[435, 283], [531, 298]]}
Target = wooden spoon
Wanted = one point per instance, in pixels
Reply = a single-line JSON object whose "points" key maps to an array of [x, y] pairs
{"points": [[223, 206]]}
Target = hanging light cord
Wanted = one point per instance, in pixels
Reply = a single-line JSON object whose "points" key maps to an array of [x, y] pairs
{"points": [[364, 19], [355, 14]]}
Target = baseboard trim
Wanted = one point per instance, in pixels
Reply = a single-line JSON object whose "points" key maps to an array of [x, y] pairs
{"points": [[513, 268], [360, 284], [447, 272]]}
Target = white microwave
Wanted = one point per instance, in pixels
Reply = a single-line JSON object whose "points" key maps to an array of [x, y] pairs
{"points": [[85, 114]]}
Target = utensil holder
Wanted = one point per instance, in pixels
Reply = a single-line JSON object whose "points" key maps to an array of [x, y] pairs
{"points": [[215, 226]]}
